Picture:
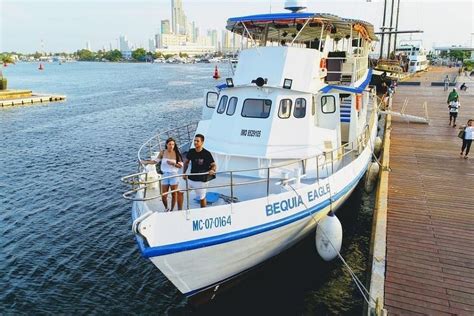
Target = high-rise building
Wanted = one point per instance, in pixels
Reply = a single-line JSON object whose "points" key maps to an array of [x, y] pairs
{"points": [[213, 36], [151, 45], [124, 44], [88, 46], [178, 18], [195, 32], [165, 27]]}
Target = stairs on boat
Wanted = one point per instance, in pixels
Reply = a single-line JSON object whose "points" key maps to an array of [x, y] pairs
{"points": [[346, 110]]}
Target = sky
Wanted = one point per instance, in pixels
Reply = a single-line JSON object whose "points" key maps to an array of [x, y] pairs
{"points": [[66, 25]]}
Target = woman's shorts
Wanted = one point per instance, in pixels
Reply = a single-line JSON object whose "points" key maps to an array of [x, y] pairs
{"points": [[453, 114], [170, 181]]}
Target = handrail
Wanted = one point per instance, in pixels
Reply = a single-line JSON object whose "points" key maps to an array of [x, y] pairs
{"points": [[359, 66], [177, 133], [362, 140]]}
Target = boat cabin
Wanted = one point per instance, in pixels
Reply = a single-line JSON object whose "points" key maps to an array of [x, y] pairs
{"points": [[299, 90]]}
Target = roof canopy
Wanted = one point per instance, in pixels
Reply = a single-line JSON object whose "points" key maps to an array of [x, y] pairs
{"points": [[287, 25]]}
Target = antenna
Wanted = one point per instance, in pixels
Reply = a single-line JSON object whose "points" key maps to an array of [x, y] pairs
{"points": [[296, 5]]}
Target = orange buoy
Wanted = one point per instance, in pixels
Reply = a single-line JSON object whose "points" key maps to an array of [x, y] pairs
{"points": [[40, 67], [216, 73]]}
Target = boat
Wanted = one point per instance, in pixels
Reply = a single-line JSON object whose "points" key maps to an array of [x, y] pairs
{"points": [[292, 134], [412, 53]]}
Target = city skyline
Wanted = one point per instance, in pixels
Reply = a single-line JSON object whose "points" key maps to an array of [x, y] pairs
{"points": [[67, 26]]}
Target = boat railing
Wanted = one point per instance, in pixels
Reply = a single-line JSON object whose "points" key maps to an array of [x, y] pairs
{"points": [[352, 68], [183, 135], [324, 165]]}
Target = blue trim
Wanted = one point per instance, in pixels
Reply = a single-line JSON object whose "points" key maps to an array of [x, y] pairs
{"points": [[149, 252], [222, 86], [271, 17], [358, 89], [345, 120]]}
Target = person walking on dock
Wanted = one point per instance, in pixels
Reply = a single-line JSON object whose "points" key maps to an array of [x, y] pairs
{"points": [[467, 138], [453, 108], [446, 83], [453, 95]]}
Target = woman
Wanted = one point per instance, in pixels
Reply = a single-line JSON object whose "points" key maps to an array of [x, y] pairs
{"points": [[468, 137], [171, 162]]}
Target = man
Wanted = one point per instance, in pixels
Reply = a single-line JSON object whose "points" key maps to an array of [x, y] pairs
{"points": [[453, 95], [453, 111], [201, 162]]}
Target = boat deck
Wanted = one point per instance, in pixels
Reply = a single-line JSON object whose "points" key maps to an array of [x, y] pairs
{"points": [[430, 211]]}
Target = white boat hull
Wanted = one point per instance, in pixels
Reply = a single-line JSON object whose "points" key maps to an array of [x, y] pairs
{"points": [[196, 258], [198, 269]]}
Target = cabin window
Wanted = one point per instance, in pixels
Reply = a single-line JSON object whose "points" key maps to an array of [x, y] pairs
{"points": [[222, 104], [257, 108], [232, 105], [285, 109], [328, 104], [300, 108], [211, 99]]}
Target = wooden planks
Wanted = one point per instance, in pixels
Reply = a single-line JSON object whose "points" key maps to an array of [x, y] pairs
{"points": [[430, 218], [32, 99]]}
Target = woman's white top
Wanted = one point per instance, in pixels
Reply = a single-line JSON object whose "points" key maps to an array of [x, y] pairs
{"points": [[469, 132], [165, 167]]}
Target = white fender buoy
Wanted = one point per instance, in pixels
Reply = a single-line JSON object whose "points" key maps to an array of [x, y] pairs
{"points": [[371, 177], [152, 176], [377, 145], [329, 237]]}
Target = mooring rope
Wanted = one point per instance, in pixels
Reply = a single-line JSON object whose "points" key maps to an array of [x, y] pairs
{"points": [[360, 286]]}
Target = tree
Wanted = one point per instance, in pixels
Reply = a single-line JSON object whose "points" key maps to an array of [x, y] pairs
{"points": [[157, 55], [85, 55], [6, 58], [183, 55], [113, 55], [139, 54], [459, 54], [37, 55]]}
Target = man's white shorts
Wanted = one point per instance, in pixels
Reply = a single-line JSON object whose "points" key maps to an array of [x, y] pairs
{"points": [[200, 188]]}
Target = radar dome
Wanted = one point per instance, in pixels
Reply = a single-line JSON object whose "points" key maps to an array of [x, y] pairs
{"points": [[296, 5]]}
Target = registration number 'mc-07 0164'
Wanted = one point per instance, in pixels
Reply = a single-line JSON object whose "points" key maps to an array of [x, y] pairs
{"points": [[212, 222]]}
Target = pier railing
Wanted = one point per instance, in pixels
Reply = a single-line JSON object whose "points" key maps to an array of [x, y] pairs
{"points": [[322, 166]]}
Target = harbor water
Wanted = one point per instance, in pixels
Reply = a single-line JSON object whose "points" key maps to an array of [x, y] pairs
{"points": [[66, 240]]}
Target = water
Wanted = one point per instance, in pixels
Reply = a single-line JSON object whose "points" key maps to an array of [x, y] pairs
{"points": [[66, 244]]}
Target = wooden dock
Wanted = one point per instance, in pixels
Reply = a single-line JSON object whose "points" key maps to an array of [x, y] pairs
{"points": [[429, 263], [25, 97]]}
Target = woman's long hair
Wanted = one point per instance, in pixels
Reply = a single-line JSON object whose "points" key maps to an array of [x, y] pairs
{"points": [[179, 157]]}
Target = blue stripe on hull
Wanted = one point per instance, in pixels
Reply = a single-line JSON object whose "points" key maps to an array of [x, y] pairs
{"points": [[149, 252]]}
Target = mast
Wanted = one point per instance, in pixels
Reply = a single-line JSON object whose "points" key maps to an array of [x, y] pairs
{"points": [[391, 28], [396, 23], [383, 28]]}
